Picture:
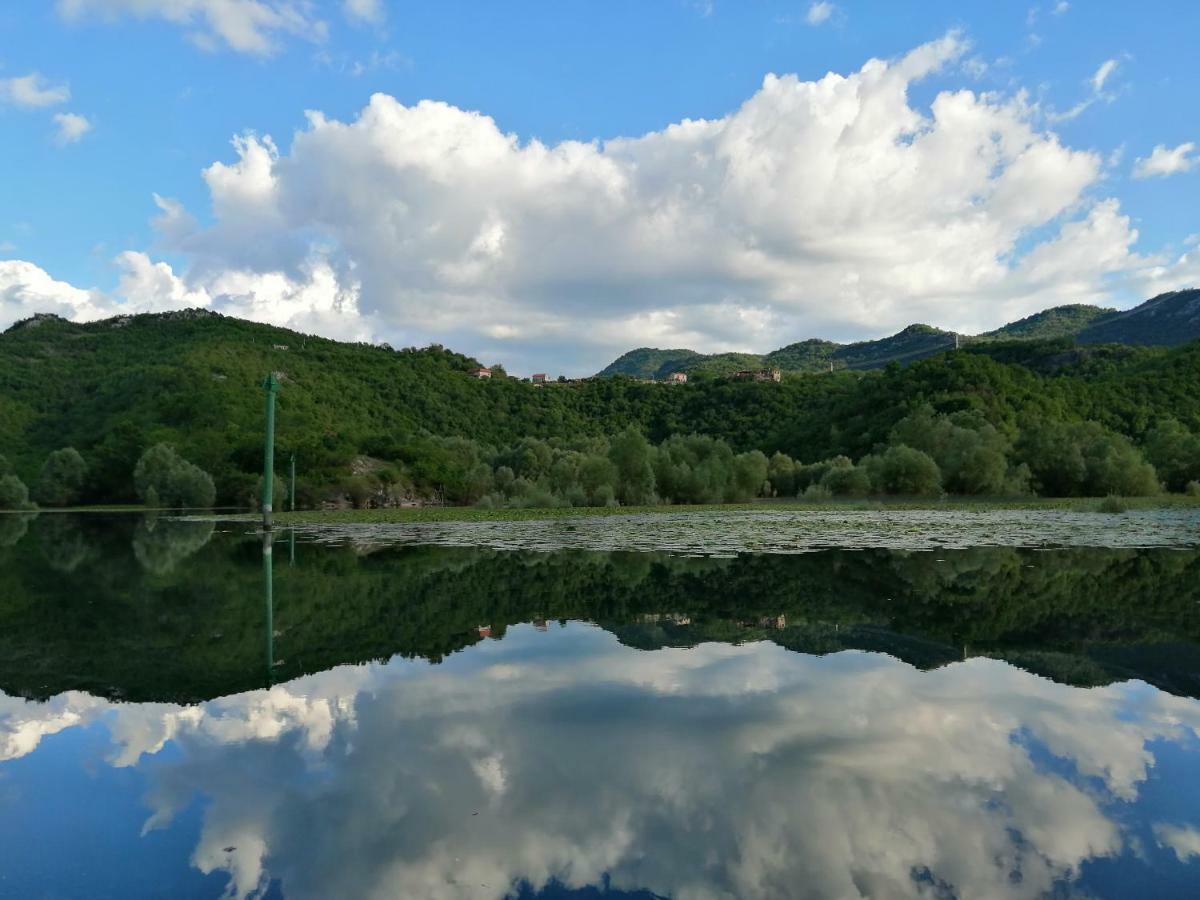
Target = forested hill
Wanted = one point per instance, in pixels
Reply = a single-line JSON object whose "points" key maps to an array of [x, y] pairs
{"points": [[111, 389], [1166, 320]]}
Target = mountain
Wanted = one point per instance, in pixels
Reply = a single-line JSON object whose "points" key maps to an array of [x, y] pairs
{"points": [[1166, 320]]}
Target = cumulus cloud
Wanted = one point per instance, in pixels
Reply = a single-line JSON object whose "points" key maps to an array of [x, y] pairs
{"points": [[1164, 161], [26, 289], [846, 773], [833, 208], [71, 127], [819, 13], [246, 26], [32, 91], [1184, 841]]}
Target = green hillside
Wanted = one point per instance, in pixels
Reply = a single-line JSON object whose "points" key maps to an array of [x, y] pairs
{"points": [[646, 362], [356, 413], [1060, 321], [1166, 320]]}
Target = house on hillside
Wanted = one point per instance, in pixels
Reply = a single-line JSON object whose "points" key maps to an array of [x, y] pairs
{"points": [[759, 375], [539, 378], [480, 372], [677, 378]]}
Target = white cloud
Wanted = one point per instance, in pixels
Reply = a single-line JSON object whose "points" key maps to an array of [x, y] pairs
{"points": [[1164, 161], [1060, 8], [370, 11], [831, 208], [1184, 841], [1097, 83], [32, 91], [247, 26], [26, 289], [71, 128], [819, 12], [1102, 74]]}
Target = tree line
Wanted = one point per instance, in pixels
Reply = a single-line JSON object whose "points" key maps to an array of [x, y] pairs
{"points": [[369, 423], [162, 479], [926, 454]]}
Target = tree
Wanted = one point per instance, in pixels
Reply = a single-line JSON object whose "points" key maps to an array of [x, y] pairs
{"points": [[62, 477], [13, 493], [847, 481], [164, 477], [631, 455], [781, 471], [905, 471], [1174, 452], [1071, 459]]}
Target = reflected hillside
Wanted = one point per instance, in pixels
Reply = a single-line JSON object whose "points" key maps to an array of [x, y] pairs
{"points": [[177, 610]]}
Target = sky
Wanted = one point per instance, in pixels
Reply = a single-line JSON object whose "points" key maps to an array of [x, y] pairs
{"points": [[549, 184]]}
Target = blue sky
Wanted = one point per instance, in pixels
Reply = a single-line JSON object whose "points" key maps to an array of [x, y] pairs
{"points": [[163, 86]]}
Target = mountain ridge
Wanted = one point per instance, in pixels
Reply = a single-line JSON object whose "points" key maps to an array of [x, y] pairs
{"points": [[1167, 319]]}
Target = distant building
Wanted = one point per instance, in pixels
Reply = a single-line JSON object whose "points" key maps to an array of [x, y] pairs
{"points": [[480, 372], [677, 378], [485, 631], [759, 375], [539, 378], [281, 346]]}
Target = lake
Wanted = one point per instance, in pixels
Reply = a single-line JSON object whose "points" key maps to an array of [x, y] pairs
{"points": [[760, 705]]}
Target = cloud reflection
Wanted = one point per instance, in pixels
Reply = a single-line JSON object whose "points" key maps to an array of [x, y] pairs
{"points": [[717, 771]]}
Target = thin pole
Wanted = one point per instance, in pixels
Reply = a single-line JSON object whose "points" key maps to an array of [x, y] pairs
{"points": [[292, 484], [268, 496], [269, 596]]}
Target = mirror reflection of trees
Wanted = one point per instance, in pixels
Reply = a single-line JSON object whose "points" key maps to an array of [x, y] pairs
{"points": [[172, 609], [13, 527], [161, 544], [63, 542]]}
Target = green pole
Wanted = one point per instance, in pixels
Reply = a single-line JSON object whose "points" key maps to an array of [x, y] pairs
{"points": [[268, 495], [292, 484], [269, 596]]}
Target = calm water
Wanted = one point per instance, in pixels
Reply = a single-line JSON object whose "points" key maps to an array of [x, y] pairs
{"points": [[360, 714]]}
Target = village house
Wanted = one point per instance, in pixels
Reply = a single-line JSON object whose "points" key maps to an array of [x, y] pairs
{"points": [[539, 378], [480, 372], [677, 378]]}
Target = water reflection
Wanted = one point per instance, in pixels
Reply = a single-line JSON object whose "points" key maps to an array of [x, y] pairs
{"points": [[688, 727], [162, 609], [161, 544], [721, 770]]}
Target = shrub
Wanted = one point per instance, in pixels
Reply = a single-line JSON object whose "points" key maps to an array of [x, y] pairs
{"points": [[1112, 504], [1192, 489], [817, 493]]}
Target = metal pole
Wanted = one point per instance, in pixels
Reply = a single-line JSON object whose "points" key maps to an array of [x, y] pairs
{"points": [[292, 484], [268, 498], [269, 596]]}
